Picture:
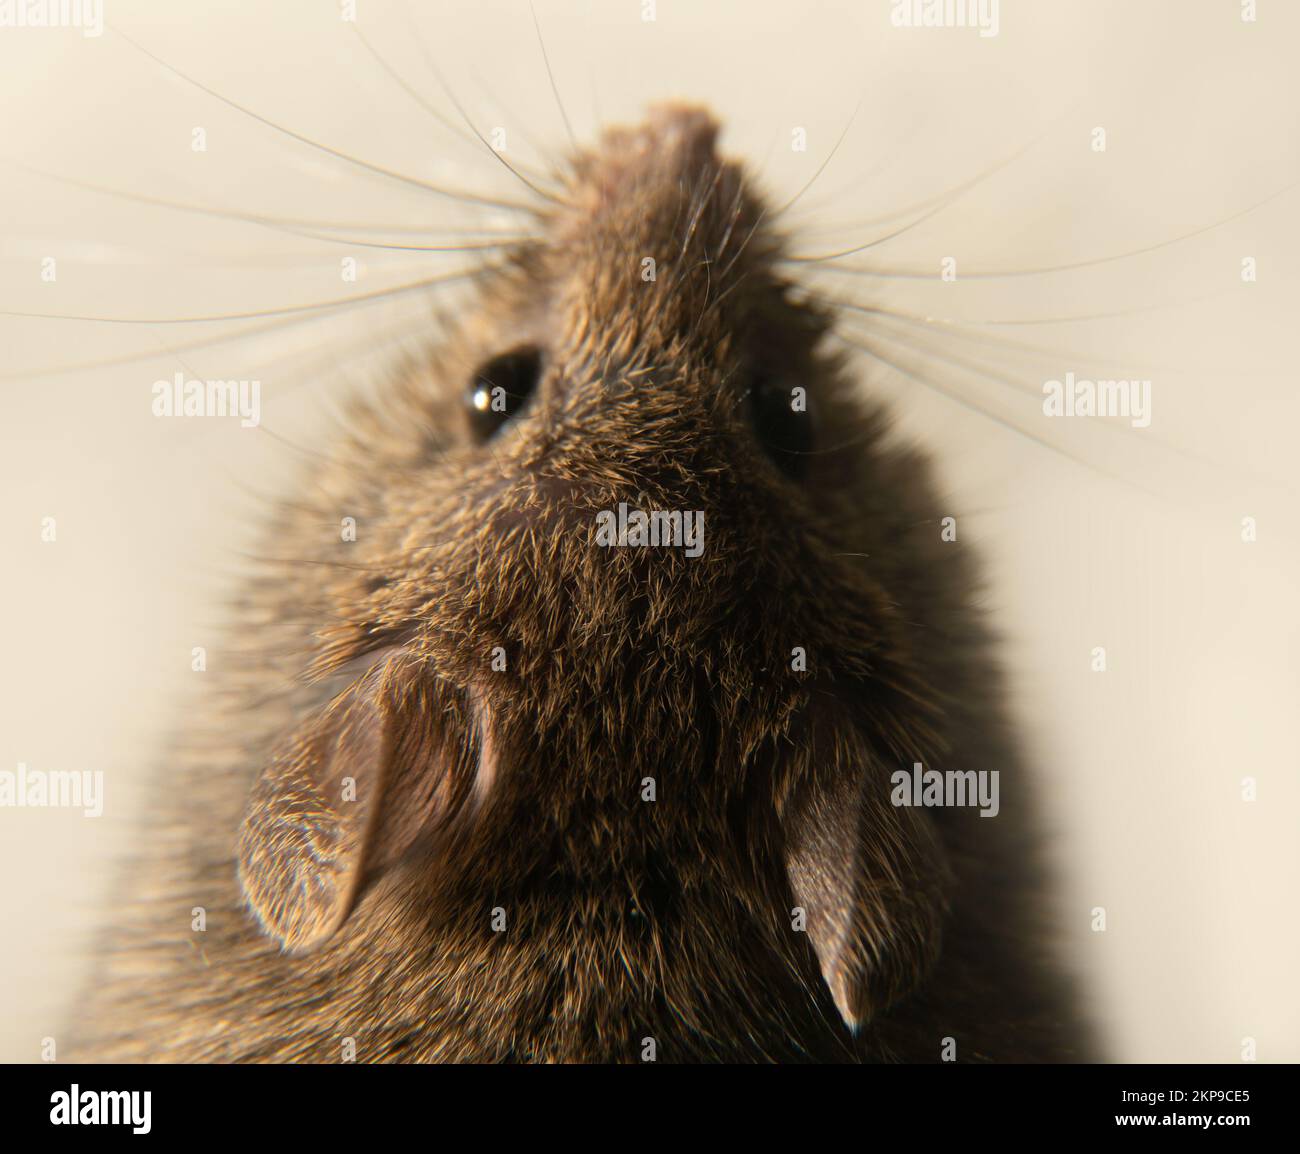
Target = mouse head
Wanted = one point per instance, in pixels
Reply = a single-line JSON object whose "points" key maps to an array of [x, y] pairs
{"points": [[599, 634]]}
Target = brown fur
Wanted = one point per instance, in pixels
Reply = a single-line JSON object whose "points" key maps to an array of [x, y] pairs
{"points": [[625, 919]]}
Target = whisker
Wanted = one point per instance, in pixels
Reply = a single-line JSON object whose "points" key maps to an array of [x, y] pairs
{"points": [[701, 203], [518, 127], [957, 398], [1026, 389], [377, 169], [407, 87], [336, 357], [484, 246], [263, 560], [944, 200], [290, 444], [433, 111], [736, 255], [1057, 320], [916, 274], [293, 226], [410, 331], [874, 243], [261, 428], [339, 302], [555, 91], [726, 292], [871, 222], [1056, 352], [822, 167], [297, 262], [890, 157], [279, 325], [732, 216]]}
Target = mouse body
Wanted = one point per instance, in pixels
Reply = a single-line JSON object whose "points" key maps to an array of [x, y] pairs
{"points": [[563, 720]]}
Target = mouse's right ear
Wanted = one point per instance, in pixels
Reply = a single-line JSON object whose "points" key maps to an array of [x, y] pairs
{"points": [[872, 878], [315, 824]]}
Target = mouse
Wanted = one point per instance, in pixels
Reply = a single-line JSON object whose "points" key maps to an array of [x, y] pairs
{"points": [[563, 719]]}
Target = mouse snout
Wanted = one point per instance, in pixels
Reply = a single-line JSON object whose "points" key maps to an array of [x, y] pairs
{"points": [[673, 138], [654, 232]]}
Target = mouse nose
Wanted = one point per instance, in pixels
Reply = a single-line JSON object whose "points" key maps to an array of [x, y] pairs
{"points": [[675, 142], [684, 129]]}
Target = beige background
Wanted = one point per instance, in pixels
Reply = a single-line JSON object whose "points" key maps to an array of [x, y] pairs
{"points": [[1128, 539]]}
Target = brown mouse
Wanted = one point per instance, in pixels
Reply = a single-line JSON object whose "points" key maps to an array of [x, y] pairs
{"points": [[498, 781]]}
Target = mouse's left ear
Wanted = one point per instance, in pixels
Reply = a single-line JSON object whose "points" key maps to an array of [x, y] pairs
{"points": [[322, 816], [871, 878]]}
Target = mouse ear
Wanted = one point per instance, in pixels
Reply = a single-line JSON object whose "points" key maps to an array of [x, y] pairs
{"points": [[870, 877], [313, 825]]}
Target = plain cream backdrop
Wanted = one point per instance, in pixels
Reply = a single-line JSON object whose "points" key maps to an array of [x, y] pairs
{"points": [[1128, 539]]}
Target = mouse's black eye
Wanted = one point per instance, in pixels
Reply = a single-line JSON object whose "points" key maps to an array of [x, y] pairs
{"points": [[499, 388], [783, 422]]}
